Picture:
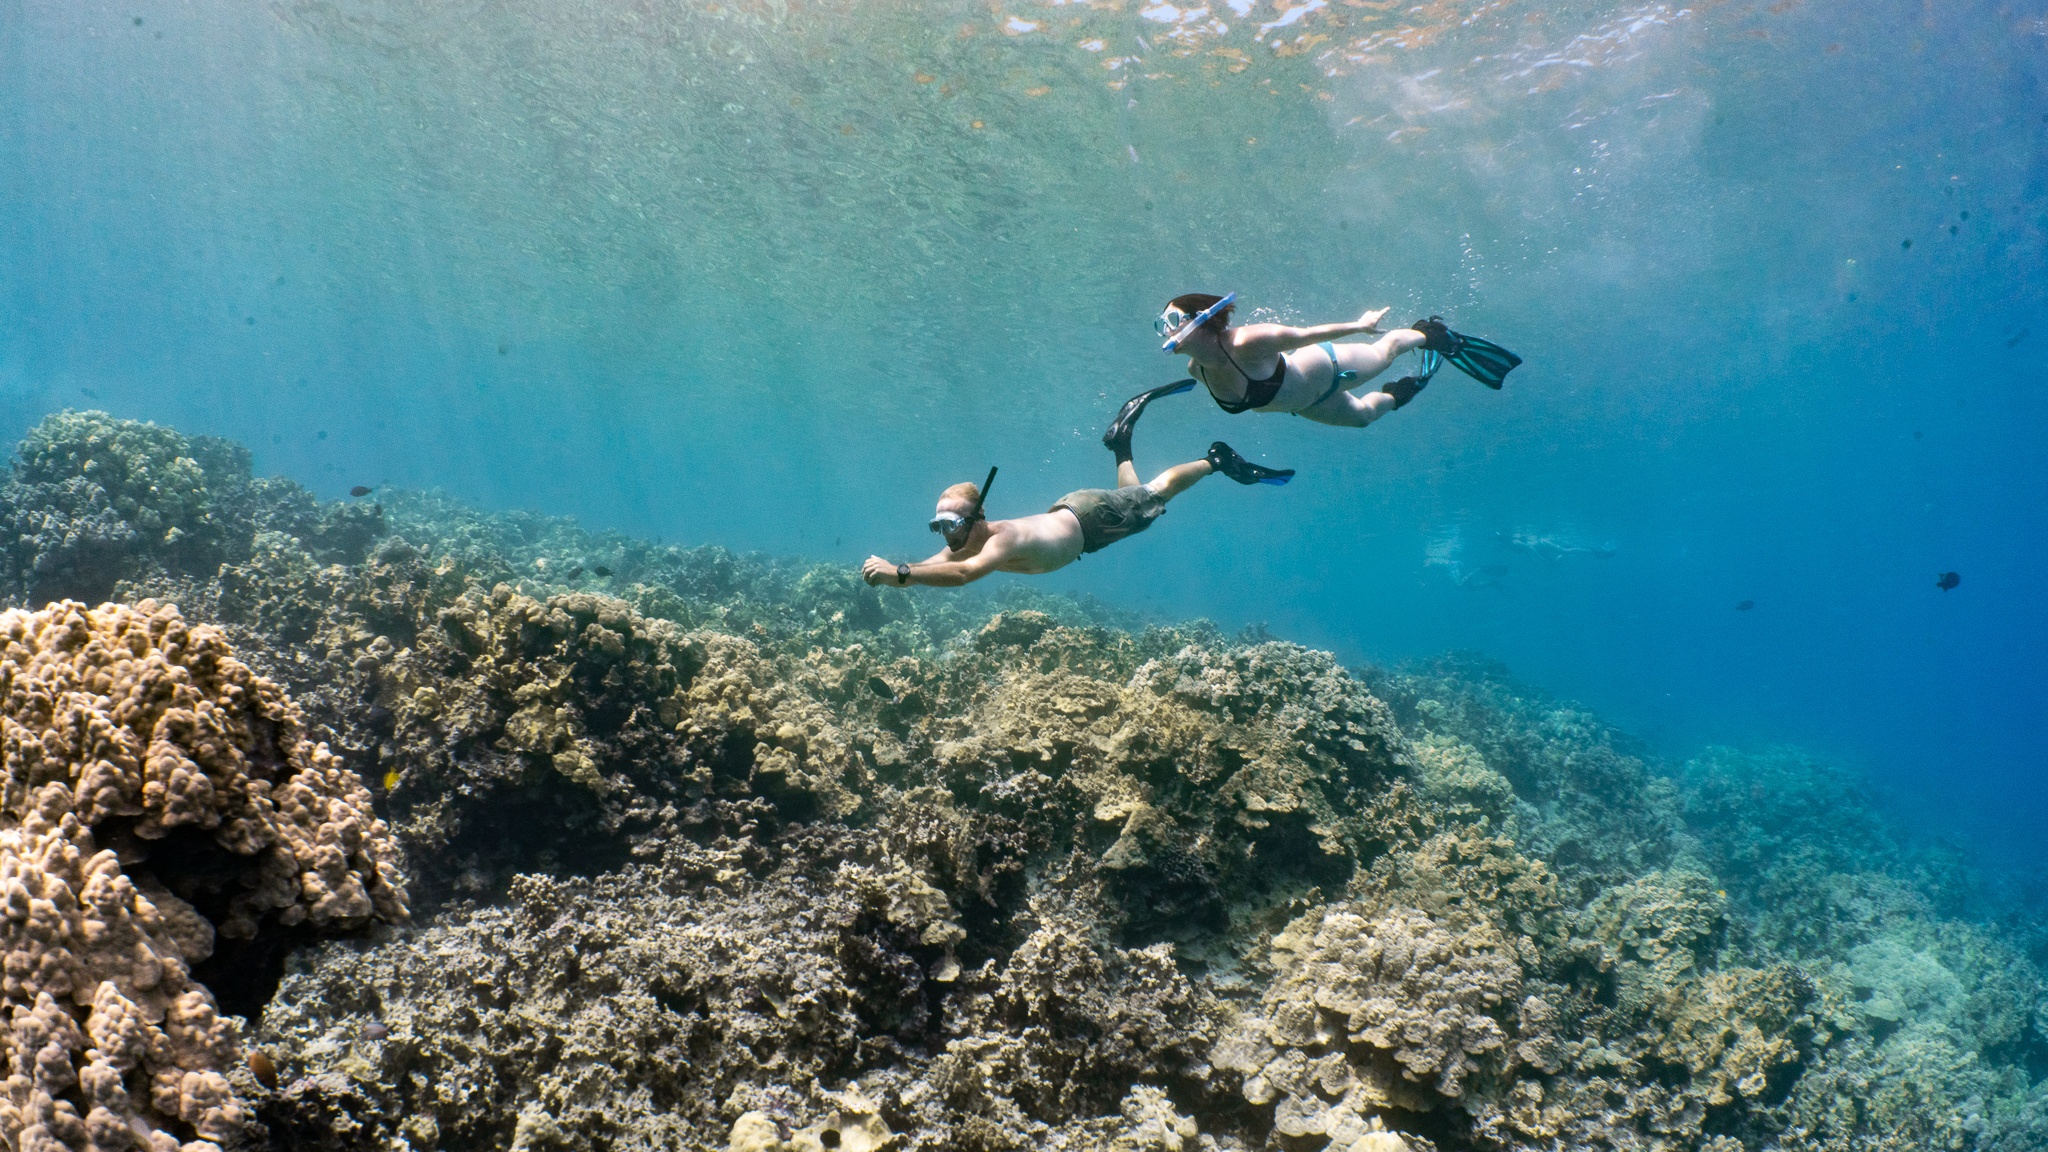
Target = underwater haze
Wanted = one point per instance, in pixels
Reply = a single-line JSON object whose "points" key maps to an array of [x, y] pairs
{"points": [[770, 275]]}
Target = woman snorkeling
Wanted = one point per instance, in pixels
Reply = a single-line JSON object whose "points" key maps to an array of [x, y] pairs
{"points": [[1280, 368]]}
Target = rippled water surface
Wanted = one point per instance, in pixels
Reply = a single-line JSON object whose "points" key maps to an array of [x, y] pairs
{"points": [[770, 274]]}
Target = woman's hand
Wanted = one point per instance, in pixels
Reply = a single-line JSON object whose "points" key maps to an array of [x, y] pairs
{"points": [[1372, 319]]}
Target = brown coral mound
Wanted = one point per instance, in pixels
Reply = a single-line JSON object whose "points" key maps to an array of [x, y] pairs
{"points": [[1371, 1013], [125, 727]]}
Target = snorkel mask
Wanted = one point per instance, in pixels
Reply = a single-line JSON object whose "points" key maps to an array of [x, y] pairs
{"points": [[955, 527], [1177, 325]]}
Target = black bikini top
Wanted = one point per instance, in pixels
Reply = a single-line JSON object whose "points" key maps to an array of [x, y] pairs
{"points": [[1257, 393]]}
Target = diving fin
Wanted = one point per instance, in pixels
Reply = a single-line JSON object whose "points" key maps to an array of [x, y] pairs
{"points": [[1118, 438], [1482, 360], [1405, 389], [1225, 459]]}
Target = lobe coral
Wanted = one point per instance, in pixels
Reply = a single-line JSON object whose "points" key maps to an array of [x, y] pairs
{"points": [[128, 736]]}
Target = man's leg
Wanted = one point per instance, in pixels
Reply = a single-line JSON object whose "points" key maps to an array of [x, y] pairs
{"points": [[1174, 480], [1126, 473]]}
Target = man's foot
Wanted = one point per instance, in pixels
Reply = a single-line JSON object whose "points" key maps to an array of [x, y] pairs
{"points": [[1118, 438], [1223, 458]]}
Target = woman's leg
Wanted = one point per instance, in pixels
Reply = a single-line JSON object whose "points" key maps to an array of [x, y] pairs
{"points": [[1348, 411], [1179, 478], [1369, 360]]}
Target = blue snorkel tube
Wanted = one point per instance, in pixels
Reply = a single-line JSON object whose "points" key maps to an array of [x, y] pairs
{"points": [[1203, 317]]}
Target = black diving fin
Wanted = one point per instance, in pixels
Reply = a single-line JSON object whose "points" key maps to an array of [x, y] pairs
{"points": [[1482, 360], [1118, 438], [1225, 459]]}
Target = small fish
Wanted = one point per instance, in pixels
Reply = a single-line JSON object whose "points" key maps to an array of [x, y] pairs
{"points": [[1745, 606], [1906, 243], [880, 687], [575, 570], [2012, 343], [92, 395], [376, 1030], [262, 1067], [1948, 580], [601, 571], [391, 780], [361, 490]]}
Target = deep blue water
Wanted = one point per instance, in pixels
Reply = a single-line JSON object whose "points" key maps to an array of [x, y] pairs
{"points": [[770, 275]]}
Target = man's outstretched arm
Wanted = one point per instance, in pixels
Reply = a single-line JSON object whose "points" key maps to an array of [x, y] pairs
{"points": [[938, 571]]}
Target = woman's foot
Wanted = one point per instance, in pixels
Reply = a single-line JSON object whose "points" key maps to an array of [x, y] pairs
{"points": [[1372, 319], [1223, 458], [1404, 389], [1436, 337]]}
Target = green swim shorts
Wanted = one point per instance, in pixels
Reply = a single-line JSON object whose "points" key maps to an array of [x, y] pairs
{"points": [[1107, 515]]}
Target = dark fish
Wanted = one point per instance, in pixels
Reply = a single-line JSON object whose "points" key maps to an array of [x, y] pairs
{"points": [[575, 570], [2012, 343], [375, 1030], [602, 571], [504, 348], [361, 490], [1948, 580], [880, 687], [1745, 606], [92, 395], [1908, 243], [261, 1067]]}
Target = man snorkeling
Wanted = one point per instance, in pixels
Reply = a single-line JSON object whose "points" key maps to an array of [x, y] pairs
{"points": [[1079, 522], [1280, 368]]}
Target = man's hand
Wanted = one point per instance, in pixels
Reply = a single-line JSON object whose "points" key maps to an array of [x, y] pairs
{"points": [[878, 571], [1372, 319]]}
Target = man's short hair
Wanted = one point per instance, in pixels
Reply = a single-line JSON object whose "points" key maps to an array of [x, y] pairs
{"points": [[962, 491]]}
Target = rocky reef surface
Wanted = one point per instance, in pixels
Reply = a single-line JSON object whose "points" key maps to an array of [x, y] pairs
{"points": [[717, 852]]}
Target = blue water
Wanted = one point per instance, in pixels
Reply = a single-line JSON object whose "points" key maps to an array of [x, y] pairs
{"points": [[770, 274]]}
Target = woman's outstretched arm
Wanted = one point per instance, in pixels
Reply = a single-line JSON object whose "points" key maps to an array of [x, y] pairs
{"points": [[1273, 339]]}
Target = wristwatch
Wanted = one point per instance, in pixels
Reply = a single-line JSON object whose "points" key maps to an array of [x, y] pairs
{"points": [[903, 573]]}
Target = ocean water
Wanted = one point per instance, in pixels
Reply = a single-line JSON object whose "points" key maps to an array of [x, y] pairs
{"points": [[769, 275]]}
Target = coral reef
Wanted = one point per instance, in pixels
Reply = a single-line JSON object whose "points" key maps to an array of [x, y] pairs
{"points": [[720, 852], [1367, 1014], [136, 745], [93, 500]]}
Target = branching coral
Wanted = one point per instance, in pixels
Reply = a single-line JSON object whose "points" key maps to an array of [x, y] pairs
{"points": [[126, 726]]}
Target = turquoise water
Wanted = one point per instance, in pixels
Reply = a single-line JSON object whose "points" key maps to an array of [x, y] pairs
{"points": [[770, 274]]}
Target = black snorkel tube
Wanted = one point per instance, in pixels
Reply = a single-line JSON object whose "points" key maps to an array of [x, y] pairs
{"points": [[967, 522], [983, 498]]}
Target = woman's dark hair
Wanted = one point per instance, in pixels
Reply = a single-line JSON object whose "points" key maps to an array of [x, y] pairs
{"points": [[1192, 303]]}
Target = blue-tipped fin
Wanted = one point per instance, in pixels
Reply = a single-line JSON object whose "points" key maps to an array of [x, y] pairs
{"points": [[1118, 438], [1225, 459]]}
